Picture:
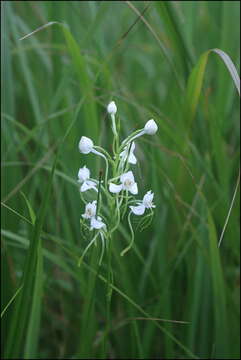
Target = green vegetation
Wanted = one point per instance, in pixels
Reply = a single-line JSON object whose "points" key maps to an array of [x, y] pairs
{"points": [[175, 294]]}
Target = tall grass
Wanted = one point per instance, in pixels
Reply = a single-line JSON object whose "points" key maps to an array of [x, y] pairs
{"points": [[176, 293]]}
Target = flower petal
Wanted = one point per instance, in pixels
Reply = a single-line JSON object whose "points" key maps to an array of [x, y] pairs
{"points": [[85, 186], [134, 189], [96, 224], [111, 108], [138, 210], [91, 183], [129, 175], [132, 159], [115, 188], [147, 199], [90, 210], [133, 145], [85, 145], [151, 127], [88, 184], [83, 174], [123, 155]]}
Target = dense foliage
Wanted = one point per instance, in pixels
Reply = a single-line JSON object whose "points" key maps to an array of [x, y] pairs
{"points": [[153, 60]]}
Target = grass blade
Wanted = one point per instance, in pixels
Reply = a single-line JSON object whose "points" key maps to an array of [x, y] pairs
{"points": [[195, 82], [169, 16], [21, 315]]}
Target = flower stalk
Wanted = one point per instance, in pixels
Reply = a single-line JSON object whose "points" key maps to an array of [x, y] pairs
{"points": [[115, 198], [118, 192]]}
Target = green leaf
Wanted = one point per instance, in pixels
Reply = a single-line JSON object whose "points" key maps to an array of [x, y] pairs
{"points": [[170, 18], [22, 318], [30, 209], [195, 83], [219, 296]]}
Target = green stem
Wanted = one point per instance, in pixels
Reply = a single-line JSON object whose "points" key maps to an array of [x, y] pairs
{"points": [[98, 196], [131, 137], [108, 297], [88, 323], [113, 125], [94, 151], [118, 205], [87, 248], [125, 205], [100, 149], [132, 236]]}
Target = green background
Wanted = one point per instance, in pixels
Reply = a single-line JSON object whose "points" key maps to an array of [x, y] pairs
{"points": [[55, 88]]}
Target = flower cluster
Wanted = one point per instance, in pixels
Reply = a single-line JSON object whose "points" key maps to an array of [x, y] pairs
{"points": [[119, 191]]}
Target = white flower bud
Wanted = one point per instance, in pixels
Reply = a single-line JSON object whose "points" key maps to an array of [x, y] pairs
{"points": [[111, 108], [150, 127], [85, 145]]}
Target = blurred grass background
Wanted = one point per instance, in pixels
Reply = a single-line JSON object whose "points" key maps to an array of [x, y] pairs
{"points": [[56, 85]]}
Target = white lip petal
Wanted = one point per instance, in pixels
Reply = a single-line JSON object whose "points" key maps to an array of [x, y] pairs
{"points": [[134, 189], [96, 224], [92, 183], [84, 187], [115, 188], [138, 210], [87, 185]]}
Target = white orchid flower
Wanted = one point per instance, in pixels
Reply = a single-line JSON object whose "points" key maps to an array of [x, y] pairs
{"points": [[131, 158], [90, 213], [127, 183], [90, 210], [112, 108], [83, 177], [96, 223], [83, 174], [146, 203]]}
